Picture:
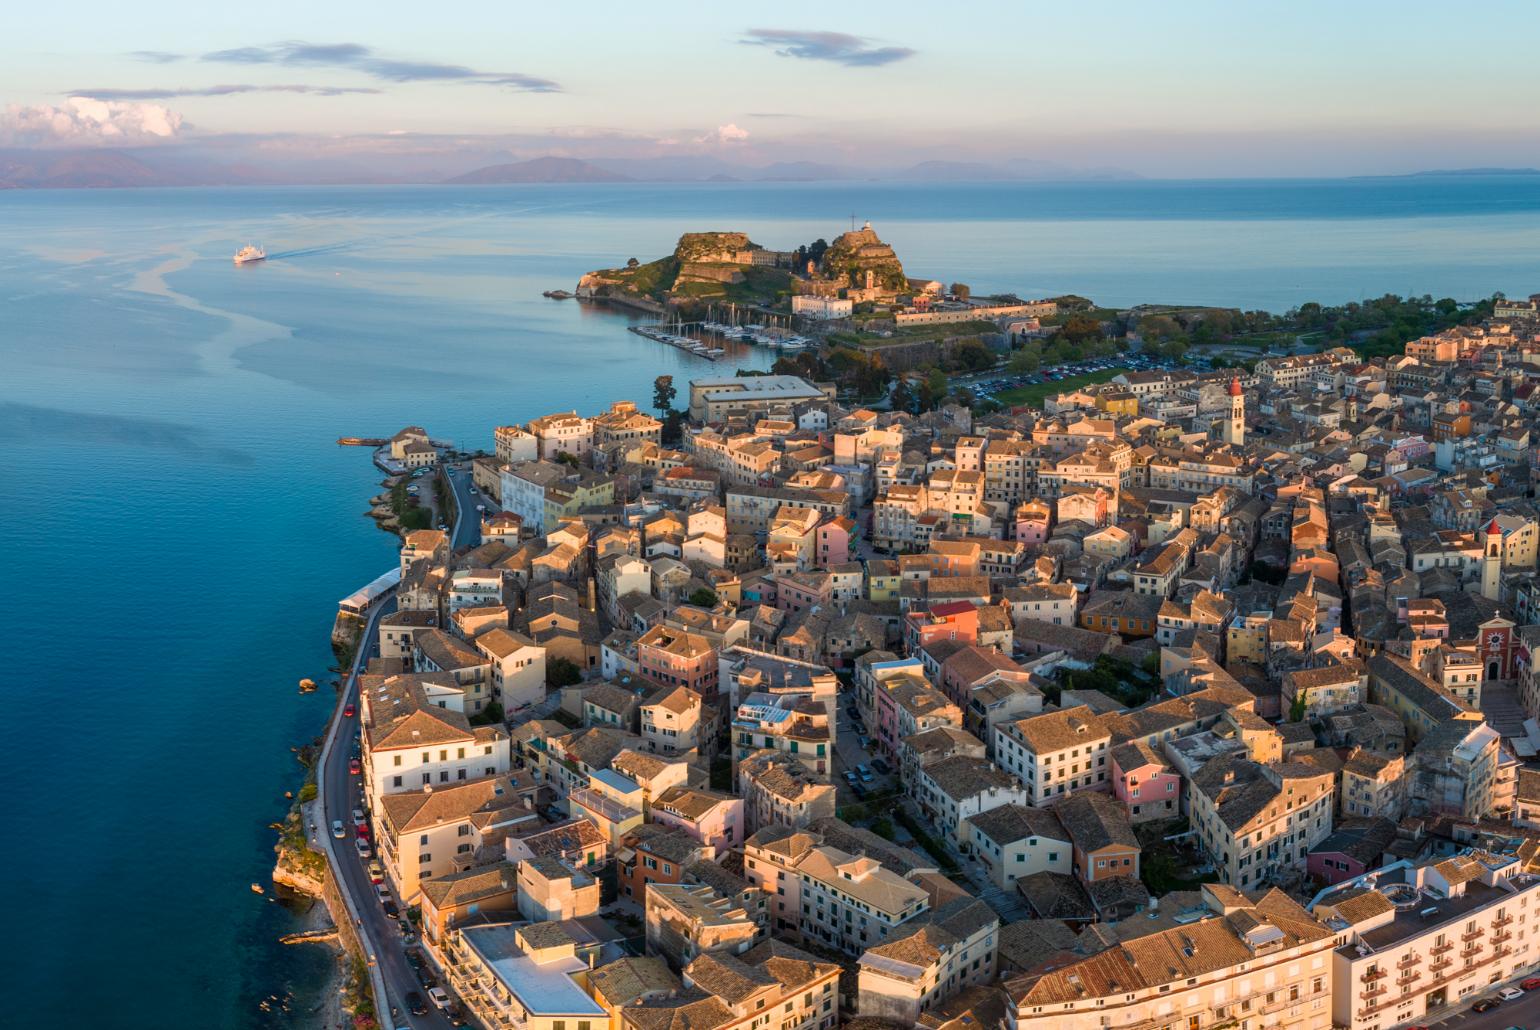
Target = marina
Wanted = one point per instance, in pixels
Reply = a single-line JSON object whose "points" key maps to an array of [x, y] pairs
{"points": [[676, 334]]}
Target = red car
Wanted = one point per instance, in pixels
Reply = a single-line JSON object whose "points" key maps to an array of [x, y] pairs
{"points": [[353, 767], [362, 829], [1531, 983], [349, 712]]}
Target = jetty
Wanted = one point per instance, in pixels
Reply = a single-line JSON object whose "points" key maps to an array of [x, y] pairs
{"points": [[310, 936], [362, 441]]}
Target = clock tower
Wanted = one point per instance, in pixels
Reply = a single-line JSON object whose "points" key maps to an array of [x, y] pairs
{"points": [[1492, 563], [1234, 432]]}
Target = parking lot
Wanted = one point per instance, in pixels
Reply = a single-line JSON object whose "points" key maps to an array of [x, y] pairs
{"points": [[988, 385]]}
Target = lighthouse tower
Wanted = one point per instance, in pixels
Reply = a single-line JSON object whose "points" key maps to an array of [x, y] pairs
{"points": [[1492, 563], [1234, 432]]}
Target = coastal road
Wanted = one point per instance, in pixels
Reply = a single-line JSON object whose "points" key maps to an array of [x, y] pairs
{"points": [[339, 795], [467, 527]]}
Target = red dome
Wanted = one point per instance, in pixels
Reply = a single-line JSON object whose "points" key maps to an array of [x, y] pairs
{"points": [[1235, 387]]}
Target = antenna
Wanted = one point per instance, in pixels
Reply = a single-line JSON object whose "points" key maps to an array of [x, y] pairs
{"points": [[852, 221]]}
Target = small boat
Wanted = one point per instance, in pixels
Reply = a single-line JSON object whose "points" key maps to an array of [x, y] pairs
{"points": [[257, 888], [247, 254]]}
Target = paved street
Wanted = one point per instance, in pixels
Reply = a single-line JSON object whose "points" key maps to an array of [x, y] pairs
{"points": [[1522, 1013], [340, 794], [467, 529]]}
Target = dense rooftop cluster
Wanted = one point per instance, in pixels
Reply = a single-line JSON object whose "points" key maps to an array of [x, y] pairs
{"points": [[1122, 712]]}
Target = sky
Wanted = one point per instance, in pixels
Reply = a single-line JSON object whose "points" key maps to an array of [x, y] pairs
{"points": [[1186, 88]]}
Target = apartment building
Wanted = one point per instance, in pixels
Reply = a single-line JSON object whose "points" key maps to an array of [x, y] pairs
{"points": [[772, 985], [1257, 822], [671, 721], [950, 948], [1055, 753], [828, 895], [413, 738], [563, 433], [1418, 938], [532, 976], [1248, 963], [433, 832], [778, 789]]}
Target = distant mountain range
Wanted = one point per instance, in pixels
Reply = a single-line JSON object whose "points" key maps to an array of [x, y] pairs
{"points": [[541, 169], [201, 166], [1445, 172]]}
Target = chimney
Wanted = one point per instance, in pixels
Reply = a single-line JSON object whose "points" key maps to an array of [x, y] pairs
{"points": [[591, 606]]}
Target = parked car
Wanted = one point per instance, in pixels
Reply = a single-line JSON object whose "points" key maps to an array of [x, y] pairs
{"points": [[382, 892], [440, 998], [850, 777], [1484, 1005], [354, 767], [1510, 994], [363, 847], [349, 711], [1531, 983], [391, 910], [415, 1003], [358, 814], [881, 766], [337, 830], [858, 790], [376, 873]]}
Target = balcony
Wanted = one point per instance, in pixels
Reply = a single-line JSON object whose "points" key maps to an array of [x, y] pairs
{"points": [[1502, 935], [1373, 975], [1471, 935], [1443, 963], [1409, 960], [1503, 920], [1439, 949], [1408, 978], [1373, 992]]}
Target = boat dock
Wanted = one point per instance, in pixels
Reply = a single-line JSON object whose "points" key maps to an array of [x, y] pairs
{"points": [[361, 441], [673, 334], [677, 339]]}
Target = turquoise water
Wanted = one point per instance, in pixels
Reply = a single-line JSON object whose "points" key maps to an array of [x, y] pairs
{"points": [[181, 522]]}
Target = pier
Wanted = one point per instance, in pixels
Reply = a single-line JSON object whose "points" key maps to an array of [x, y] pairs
{"points": [[310, 936], [673, 334]]}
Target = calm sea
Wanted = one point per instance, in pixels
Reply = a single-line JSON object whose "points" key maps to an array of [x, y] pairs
{"points": [[181, 523]]}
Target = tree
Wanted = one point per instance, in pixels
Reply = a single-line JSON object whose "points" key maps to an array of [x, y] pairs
{"points": [[632, 262], [703, 598], [933, 390], [903, 396], [663, 394], [1297, 710], [972, 355], [568, 458], [1028, 359], [961, 291], [561, 672], [1078, 328]]}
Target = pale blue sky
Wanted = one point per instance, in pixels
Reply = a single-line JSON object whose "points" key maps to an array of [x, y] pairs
{"points": [[1180, 88]]}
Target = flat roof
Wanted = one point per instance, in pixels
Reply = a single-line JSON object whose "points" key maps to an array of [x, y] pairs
{"points": [[543, 988], [1411, 922], [615, 781]]}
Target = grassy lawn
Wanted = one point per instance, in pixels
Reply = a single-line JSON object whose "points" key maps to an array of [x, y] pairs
{"points": [[1035, 394]]}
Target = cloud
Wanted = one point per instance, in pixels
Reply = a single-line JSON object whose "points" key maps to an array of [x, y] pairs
{"points": [[838, 47], [88, 121], [154, 56], [364, 59], [217, 91], [728, 133]]}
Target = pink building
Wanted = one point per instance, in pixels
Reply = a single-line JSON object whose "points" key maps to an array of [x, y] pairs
{"points": [[834, 541], [1032, 521], [707, 816], [1143, 781]]}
